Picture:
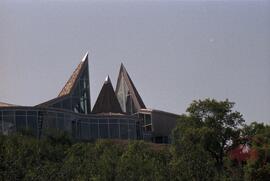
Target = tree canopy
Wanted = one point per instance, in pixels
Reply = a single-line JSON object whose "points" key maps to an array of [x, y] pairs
{"points": [[200, 150]]}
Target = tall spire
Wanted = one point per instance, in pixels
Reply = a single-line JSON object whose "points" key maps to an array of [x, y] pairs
{"points": [[127, 94], [75, 95], [107, 101], [75, 76]]}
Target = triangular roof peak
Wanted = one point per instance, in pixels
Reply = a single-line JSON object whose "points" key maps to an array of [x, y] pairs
{"points": [[107, 79], [74, 77], [107, 101], [78, 86], [126, 92], [85, 57]]}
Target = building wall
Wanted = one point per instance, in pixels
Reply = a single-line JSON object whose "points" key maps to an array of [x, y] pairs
{"points": [[39, 121], [163, 123]]}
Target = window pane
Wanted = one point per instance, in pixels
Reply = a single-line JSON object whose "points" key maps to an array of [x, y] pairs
{"points": [[94, 121], [124, 131], [32, 124], [147, 119], [114, 130], [94, 131], [22, 113], [132, 132], [60, 121], [113, 121], [51, 120], [74, 129], [8, 122], [123, 121], [67, 104], [103, 121], [103, 128], [84, 131], [20, 122], [31, 113]]}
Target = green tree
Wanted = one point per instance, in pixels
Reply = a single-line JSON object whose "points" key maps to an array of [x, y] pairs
{"points": [[139, 163], [258, 166], [223, 126], [190, 160]]}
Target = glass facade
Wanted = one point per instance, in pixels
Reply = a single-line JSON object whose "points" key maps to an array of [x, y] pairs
{"points": [[124, 98], [146, 121], [79, 99], [39, 121], [107, 127]]}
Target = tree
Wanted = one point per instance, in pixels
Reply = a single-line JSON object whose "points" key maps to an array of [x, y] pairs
{"points": [[222, 123], [190, 161], [258, 166], [139, 163]]}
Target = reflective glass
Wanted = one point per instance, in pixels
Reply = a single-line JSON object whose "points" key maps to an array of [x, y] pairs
{"points": [[21, 113], [148, 119], [132, 132], [103, 131], [113, 121], [94, 131], [67, 104], [94, 121], [60, 123], [73, 129], [103, 121], [123, 121], [131, 121], [51, 120], [85, 130], [124, 131], [20, 121], [57, 105], [32, 123], [114, 130]]}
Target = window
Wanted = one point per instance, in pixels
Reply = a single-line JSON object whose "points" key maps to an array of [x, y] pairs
{"points": [[132, 131], [94, 131], [114, 131], [20, 117], [67, 104], [32, 121], [85, 128], [8, 122], [148, 119], [103, 131], [60, 121], [123, 131]]}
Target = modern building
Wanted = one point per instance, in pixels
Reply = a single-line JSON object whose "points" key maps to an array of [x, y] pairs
{"points": [[117, 114]]}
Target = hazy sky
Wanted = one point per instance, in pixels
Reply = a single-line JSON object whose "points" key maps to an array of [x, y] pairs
{"points": [[175, 51]]}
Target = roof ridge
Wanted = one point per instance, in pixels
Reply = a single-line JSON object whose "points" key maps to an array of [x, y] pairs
{"points": [[73, 78]]}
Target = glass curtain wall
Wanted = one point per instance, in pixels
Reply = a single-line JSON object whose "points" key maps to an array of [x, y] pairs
{"points": [[113, 128], [34, 121], [124, 97], [79, 100]]}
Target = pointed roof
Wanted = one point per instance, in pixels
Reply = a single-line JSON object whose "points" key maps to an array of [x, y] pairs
{"points": [[70, 85], [138, 102], [3, 104], [73, 78], [107, 101]]}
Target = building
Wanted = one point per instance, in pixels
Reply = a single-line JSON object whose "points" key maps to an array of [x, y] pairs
{"points": [[117, 114]]}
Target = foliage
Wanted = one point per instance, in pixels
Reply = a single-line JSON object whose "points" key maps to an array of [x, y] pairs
{"points": [[258, 167], [199, 151], [190, 160], [221, 124]]}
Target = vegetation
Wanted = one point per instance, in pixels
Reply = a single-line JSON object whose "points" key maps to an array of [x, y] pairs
{"points": [[201, 149]]}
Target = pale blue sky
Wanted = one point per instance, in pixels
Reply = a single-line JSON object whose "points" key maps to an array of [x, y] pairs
{"points": [[175, 51]]}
